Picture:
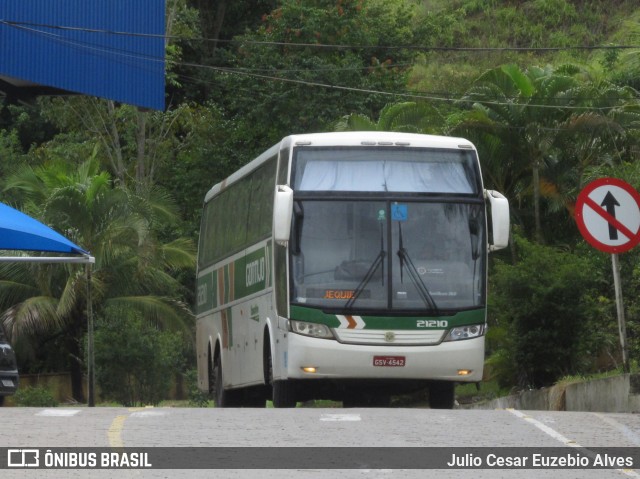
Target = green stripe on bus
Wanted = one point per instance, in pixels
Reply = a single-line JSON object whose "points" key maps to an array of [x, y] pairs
{"points": [[236, 280], [250, 273], [312, 315]]}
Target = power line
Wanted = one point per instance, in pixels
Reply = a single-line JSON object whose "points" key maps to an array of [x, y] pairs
{"points": [[12, 23], [416, 95], [119, 54], [128, 55]]}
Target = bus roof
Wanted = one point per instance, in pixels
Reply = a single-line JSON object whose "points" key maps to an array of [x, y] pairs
{"points": [[345, 138], [381, 138]]}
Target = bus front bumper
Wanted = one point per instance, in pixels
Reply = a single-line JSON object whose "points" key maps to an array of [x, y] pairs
{"points": [[451, 361]]}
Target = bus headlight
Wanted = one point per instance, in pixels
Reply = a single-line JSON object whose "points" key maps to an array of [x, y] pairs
{"points": [[311, 329], [465, 332]]}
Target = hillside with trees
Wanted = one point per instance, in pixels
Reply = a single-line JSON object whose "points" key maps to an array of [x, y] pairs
{"points": [[548, 90]]}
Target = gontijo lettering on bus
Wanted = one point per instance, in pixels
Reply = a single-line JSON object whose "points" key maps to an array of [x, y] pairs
{"points": [[255, 272], [235, 280]]}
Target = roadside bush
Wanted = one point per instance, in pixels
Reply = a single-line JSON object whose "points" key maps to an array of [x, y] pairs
{"points": [[34, 397], [135, 361], [630, 268], [548, 321], [197, 398]]}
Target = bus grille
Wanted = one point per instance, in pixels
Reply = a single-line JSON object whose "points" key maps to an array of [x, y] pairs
{"points": [[381, 336]]}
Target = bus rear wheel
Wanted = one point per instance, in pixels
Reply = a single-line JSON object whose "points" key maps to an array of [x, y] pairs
{"points": [[442, 395], [221, 396]]}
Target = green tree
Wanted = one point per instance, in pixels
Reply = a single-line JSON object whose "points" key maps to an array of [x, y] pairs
{"points": [[134, 268], [131, 143], [548, 316], [548, 131], [409, 117], [223, 19], [524, 110], [201, 154], [286, 78], [135, 361]]}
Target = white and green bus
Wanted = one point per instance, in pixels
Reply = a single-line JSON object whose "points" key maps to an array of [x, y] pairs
{"points": [[348, 266]]}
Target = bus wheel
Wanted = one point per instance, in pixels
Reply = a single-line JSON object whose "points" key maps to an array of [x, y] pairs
{"points": [[221, 396], [442, 395], [283, 394]]}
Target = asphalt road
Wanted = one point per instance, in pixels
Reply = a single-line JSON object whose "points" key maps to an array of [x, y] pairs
{"points": [[314, 430]]}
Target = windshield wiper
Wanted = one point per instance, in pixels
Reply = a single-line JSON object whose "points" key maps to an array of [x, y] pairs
{"points": [[423, 291], [377, 262]]}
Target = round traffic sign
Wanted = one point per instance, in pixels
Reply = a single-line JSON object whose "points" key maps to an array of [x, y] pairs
{"points": [[608, 215]]}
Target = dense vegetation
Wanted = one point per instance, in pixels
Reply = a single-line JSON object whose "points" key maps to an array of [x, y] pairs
{"points": [[546, 89]]}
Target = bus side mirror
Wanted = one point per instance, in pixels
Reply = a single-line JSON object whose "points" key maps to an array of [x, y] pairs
{"points": [[499, 219], [282, 213]]}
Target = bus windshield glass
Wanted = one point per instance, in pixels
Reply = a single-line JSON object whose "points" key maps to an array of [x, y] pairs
{"points": [[387, 169], [388, 255]]}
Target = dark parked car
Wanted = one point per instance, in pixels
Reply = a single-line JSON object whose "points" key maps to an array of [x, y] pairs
{"points": [[8, 369]]}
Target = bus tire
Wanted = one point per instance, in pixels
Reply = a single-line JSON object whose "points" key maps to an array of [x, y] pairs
{"points": [[221, 396], [283, 394], [442, 395]]}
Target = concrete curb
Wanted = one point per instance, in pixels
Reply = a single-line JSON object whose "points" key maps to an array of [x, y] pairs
{"points": [[614, 394]]}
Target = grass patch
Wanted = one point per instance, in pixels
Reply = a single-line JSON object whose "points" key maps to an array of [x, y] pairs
{"points": [[577, 378]]}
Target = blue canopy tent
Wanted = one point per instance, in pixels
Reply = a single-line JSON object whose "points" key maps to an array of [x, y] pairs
{"points": [[20, 232]]}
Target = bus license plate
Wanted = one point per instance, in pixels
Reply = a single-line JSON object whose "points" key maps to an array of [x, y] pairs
{"points": [[7, 383], [389, 361]]}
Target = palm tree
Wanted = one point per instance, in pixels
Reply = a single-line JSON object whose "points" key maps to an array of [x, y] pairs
{"points": [[408, 117], [133, 265], [524, 109], [567, 121]]}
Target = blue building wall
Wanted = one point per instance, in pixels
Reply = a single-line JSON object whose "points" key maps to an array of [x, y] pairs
{"points": [[107, 48]]}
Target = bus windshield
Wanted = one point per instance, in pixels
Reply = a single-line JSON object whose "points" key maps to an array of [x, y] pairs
{"points": [[389, 169], [387, 255]]}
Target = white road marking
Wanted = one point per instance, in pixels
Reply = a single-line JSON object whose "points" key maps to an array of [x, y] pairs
{"points": [[563, 439], [58, 412], [340, 417], [148, 414]]}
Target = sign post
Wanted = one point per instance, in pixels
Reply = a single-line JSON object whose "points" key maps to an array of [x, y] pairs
{"points": [[608, 216]]}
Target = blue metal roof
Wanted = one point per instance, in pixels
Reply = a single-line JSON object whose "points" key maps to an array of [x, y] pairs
{"points": [[107, 48]]}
